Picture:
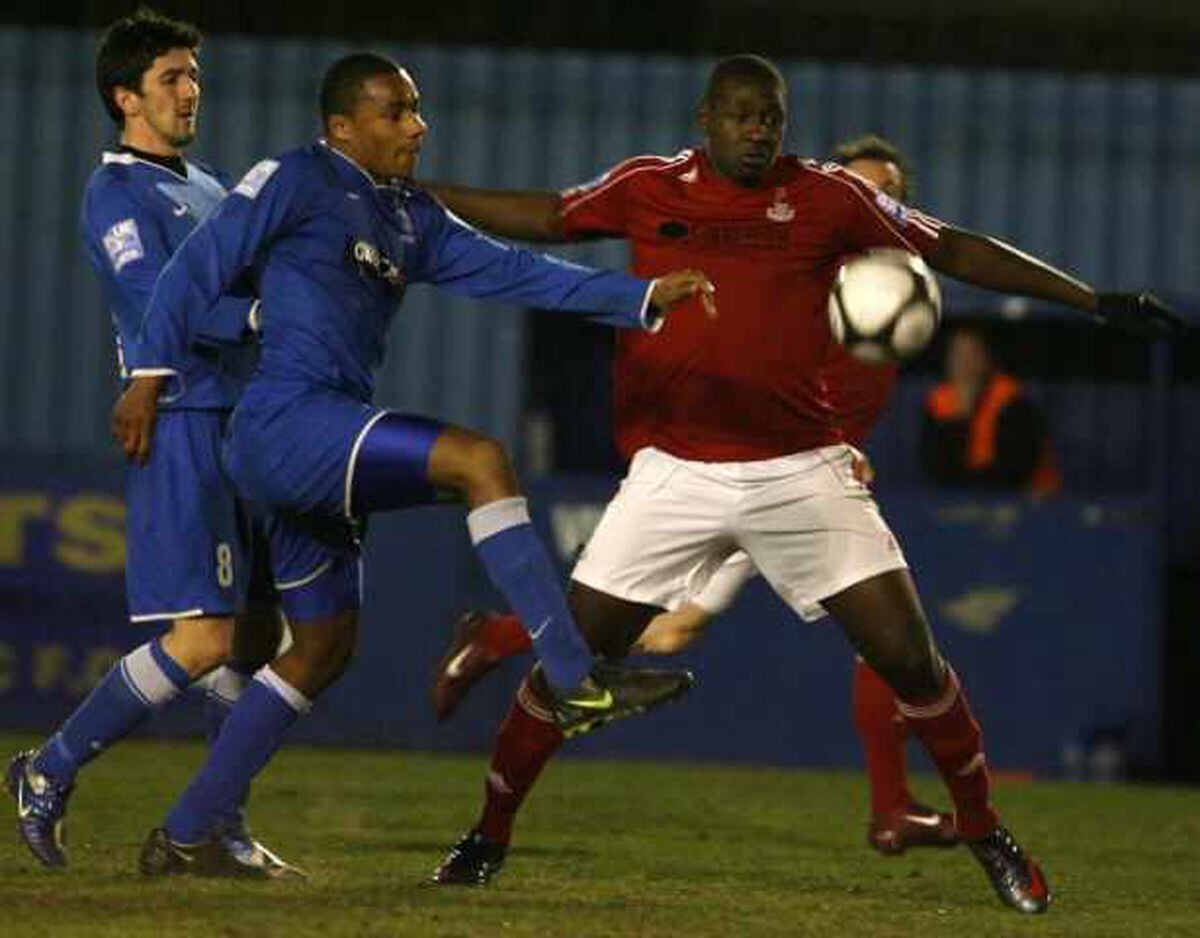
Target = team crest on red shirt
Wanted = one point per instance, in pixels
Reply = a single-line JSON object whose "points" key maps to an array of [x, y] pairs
{"points": [[781, 210]]}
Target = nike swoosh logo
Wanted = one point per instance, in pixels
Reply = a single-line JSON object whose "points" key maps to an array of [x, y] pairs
{"points": [[601, 703], [23, 809], [537, 633], [923, 820], [455, 667]]}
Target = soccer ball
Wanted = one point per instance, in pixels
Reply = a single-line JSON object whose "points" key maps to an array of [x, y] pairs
{"points": [[885, 305]]}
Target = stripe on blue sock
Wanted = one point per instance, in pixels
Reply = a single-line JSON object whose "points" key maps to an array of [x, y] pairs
{"points": [[144, 680], [254, 729], [519, 566]]}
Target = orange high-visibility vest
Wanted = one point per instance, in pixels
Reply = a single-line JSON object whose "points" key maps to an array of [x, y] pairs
{"points": [[1001, 391]]}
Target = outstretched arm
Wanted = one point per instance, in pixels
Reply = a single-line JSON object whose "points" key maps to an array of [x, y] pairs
{"points": [[528, 215], [461, 259], [870, 218], [990, 263]]}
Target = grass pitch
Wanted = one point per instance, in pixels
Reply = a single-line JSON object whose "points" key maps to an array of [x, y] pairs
{"points": [[605, 849]]}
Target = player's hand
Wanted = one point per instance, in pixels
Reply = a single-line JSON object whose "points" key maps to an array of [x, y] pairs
{"points": [[678, 285], [1142, 314], [134, 415]]}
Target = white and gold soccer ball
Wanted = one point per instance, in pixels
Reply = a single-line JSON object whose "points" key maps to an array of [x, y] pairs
{"points": [[885, 305]]}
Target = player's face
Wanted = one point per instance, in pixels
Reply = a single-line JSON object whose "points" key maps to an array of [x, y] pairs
{"points": [[743, 130], [883, 173], [161, 115], [385, 131]]}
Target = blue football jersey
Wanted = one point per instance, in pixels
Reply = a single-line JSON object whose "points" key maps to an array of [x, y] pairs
{"points": [[135, 215], [332, 254]]}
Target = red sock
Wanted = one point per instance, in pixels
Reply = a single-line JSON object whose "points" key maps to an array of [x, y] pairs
{"points": [[527, 740], [947, 729], [882, 731], [504, 636]]}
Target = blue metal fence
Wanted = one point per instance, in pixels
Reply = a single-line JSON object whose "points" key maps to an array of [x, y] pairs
{"points": [[1099, 173]]}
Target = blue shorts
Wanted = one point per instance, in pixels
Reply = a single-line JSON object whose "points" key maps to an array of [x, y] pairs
{"points": [[316, 565], [185, 533], [317, 462]]}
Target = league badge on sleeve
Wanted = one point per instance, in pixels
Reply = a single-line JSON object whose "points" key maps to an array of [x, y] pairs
{"points": [[891, 207], [123, 243], [256, 178]]}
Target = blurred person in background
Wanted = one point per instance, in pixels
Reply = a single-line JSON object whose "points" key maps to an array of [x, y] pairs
{"points": [[980, 429]]}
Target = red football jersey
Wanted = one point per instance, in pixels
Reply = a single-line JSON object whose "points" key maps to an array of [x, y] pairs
{"points": [[858, 392], [748, 385]]}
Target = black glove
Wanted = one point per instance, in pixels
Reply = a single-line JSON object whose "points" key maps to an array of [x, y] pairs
{"points": [[1142, 314]]}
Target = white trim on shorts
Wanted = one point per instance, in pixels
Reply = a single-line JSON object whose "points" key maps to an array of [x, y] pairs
{"points": [[185, 614], [305, 580], [349, 485]]}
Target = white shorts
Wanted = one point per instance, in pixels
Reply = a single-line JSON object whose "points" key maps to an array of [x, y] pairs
{"points": [[807, 524], [723, 587]]}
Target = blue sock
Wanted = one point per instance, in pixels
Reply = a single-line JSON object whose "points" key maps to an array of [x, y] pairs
{"points": [[520, 568], [222, 688], [252, 732], [140, 683]]}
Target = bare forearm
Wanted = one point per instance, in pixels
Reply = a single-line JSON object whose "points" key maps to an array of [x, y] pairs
{"points": [[987, 262], [528, 215]]}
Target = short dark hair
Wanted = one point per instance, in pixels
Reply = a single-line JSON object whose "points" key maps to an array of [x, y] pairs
{"points": [[875, 147], [343, 81], [742, 69], [129, 47]]}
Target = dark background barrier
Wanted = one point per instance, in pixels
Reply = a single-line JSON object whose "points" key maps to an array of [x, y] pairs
{"points": [[1049, 611]]}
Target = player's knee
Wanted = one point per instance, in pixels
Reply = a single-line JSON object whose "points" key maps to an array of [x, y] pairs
{"points": [[474, 466], [488, 470], [199, 645], [663, 637], [339, 656], [320, 655], [672, 632], [678, 641], [916, 673]]}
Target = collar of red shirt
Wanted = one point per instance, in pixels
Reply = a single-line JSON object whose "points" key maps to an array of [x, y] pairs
{"points": [[711, 176]]}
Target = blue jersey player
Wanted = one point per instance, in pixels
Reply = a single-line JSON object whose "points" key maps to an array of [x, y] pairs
{"points": [[332, 235], [186, 563]]}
